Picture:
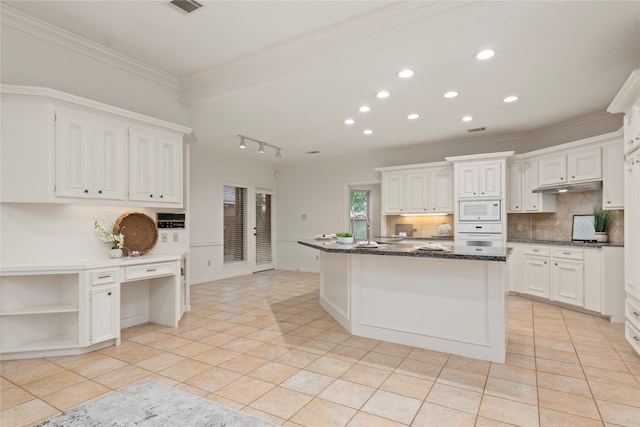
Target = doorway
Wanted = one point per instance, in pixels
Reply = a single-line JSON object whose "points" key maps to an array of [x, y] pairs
{"points": [[263, 230]]}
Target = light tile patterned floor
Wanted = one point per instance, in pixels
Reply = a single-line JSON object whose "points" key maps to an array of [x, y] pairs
{"points": [[263, 345]]}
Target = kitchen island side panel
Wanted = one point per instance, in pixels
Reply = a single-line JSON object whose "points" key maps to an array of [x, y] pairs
{"points": [[334, 286]]}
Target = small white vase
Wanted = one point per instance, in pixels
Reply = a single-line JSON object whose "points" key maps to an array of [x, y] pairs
{"points": [[115, 253], [345, 240], [600, 236], [444, 229]]}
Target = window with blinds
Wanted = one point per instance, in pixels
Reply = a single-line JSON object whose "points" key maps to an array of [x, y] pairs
{"points": [[263, 229], [235, 203]]}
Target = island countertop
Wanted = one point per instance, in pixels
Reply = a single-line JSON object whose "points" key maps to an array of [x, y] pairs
{"points": [[411, 250]]}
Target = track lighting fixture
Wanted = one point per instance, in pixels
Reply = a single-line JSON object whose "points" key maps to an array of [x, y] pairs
{"points": [[261, 145]]}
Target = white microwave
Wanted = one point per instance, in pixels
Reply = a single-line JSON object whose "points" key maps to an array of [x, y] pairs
{"points": [[479, 210]]}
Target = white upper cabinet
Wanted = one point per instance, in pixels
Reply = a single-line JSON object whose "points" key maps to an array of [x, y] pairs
{"points": [[535, 202], [479, 180], [552, 170], [393, 192], [584, 165], [441, 190], [156, 166], [516, 187], [87, 152], [418, 190], [613, 175], [91, 157], [632, 128]]}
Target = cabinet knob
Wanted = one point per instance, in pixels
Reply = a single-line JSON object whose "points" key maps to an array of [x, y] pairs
{"points": [[561, 178], [609, 201], [517, 207], [86, 191], [161, 196], [150, 195], [555, 263], [572, 176], [99, 191], [545, 263], [109, 294], [534, 206]]}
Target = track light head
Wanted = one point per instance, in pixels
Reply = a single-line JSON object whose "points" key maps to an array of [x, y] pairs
{"points": [[278, 153], [261, 148], [242, 143]]}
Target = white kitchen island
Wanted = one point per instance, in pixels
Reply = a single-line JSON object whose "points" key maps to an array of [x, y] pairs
{"points": [[453, 301]]}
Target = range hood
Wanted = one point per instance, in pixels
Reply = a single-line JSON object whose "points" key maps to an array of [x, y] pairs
{"points": [[570, 188]]}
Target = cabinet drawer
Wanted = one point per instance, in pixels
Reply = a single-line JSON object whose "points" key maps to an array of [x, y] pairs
{"points": [[146, 271], [567, 253], [536, 250], [632, 312], [101, 277]]}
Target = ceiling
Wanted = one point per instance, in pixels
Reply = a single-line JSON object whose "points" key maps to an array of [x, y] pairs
{"points": [[290, 72]]}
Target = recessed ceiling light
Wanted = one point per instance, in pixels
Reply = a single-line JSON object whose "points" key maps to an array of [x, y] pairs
{"points": [[485, 54], [412, 116], [383, 94], [406, 73], [364, 109], [467, 118], [349, 122], [451, 94], [367, 131], [511, 98]]}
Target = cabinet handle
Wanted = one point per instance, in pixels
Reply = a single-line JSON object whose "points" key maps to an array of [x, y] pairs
{"points": [[635, 313], [149, 270], [106, 276], [535, 250], [636, 338], [566, 253]]}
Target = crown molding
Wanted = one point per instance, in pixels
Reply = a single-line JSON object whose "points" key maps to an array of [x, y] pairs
{"points": [[294, 50], [51, 33], [627, 95]]}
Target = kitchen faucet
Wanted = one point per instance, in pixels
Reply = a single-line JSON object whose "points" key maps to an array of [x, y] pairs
{"points": [[353, 225]]}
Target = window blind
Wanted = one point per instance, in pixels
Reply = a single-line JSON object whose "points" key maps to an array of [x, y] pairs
{"points": [[235, 200], [263, 229]]}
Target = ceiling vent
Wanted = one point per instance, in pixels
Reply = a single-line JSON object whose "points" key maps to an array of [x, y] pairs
{"points": [[187, 6], [482, 129]]}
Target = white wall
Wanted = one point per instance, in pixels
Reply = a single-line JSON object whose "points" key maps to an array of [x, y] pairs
{"points": [[33, 61], [210, 171], [39, 233]]}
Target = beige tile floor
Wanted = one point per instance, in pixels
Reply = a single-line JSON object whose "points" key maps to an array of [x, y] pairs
{"points": [[263, 345]]}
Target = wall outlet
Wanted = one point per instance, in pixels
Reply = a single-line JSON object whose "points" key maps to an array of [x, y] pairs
{"points": [[304, 216], [209, 263], [519, 227], [164, 238], [176, 237]]}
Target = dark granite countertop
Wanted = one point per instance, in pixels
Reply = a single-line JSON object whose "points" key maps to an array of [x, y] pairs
{"points": [[410, 250], [564, 243]]}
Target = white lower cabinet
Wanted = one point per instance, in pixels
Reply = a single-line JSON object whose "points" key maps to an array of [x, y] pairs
{"points": [[583, 277], [567, 276], [104, 305], [57, 311]]}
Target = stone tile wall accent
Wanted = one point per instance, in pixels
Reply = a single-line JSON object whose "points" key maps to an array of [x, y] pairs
{"points": [[558, 225]]}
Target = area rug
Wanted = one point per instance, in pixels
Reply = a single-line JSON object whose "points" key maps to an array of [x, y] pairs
{"points": [[151, 404]]}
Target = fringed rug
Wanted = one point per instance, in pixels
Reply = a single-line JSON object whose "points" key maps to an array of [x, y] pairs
{"points": [[151, 404]]}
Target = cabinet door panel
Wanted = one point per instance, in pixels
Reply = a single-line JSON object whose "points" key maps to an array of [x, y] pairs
{"points": [[536, 276], [490, 180], [441, 190], [567, 282], [416, 195], [110, 168], [552, 170], [516, 184], [73, 155], [467, 181], [104, 314], [585, 165], [142, 164], [613, 176], [169, 169], [393, 192]]}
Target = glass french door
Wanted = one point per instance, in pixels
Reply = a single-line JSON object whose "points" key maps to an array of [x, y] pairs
{"points": [[263, 231]]}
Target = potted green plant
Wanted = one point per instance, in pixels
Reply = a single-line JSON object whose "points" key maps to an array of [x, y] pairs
{"points": [[344, 237], [601, 219]]}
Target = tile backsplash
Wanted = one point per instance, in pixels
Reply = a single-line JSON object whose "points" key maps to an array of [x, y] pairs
{"points": [[423, 226], [559, 225]]}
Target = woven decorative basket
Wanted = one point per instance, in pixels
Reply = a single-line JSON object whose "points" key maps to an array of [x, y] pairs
{"points": [[139, 230]]}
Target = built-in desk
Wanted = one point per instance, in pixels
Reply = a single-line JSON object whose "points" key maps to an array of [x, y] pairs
{"points": [[80, 306]]}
